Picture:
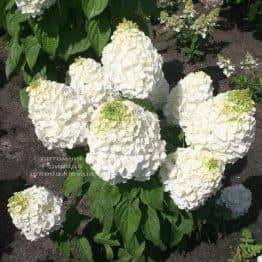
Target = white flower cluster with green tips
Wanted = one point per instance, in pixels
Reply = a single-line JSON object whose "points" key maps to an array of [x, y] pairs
{"points": [[33, 7], [125, 142], [36, 212], [222, 125], [133, 66], [189, 22], [191, 176], [60, 117]]}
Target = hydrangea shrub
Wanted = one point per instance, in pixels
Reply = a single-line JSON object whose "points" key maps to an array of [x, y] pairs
{"points": [[146, 190]]}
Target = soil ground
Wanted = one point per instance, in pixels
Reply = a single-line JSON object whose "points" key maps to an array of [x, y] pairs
{"points": [[22, 155]]}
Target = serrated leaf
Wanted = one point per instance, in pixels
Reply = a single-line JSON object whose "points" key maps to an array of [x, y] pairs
{"points": [[153, 195], [93, 8], [24, 98], [47, 33], [103, 197], [98, 31], [13, 21], [31, 50], [73, 41], [105, 239], [73, 183], [127, 218], [84, 250], [152, 228], [14, 55]]}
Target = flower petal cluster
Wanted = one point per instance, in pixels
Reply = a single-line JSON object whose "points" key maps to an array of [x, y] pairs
{"points": [[186, 96], [205, 24], [249, 63], [226, 65], [224, 124], [36, 212], [212, 3], [237, 199], [86, 78], [60, 117], [124, 142], [33, 7], [132, 64], [191, 176]]}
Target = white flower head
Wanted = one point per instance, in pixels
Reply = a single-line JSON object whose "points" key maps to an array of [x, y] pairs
{"points": [[36, 212], [191, 176], [237, 199], [33, 7], [212, 3], [249, 63], [226, 65], [183, 99], [60, 117], [224, 124], [86, 78], [125, 142], [132, 64]]}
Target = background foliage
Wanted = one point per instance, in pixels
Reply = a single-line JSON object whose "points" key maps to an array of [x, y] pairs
{"points": [[47, 44]]}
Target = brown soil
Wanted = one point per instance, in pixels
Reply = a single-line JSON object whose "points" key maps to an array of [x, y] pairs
{"points": [[21, 154]]}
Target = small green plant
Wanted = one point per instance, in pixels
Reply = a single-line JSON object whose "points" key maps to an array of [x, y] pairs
{"points": [[252, 82], [191, 32], [247, 248]]}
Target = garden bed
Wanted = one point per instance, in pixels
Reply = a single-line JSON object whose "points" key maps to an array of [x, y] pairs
{"points": [[22, 155]]}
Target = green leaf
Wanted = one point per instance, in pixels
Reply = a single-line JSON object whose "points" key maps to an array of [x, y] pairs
{"points": [[146, 104], [109, 253], [153, 195], [39, 71], [149, 7], [31, 50], [72, 221], [93, 8], [84, 250], [13, 21], [73, 41], [47, 33], [73, 183], [62, 242], [98, 31], [127, 218], [186, 224], [123, 255], [14, 55], [103, 197], [105, 239], [176, 235], [24, 98], [174, 138], [64, 247], [152, 228]]}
